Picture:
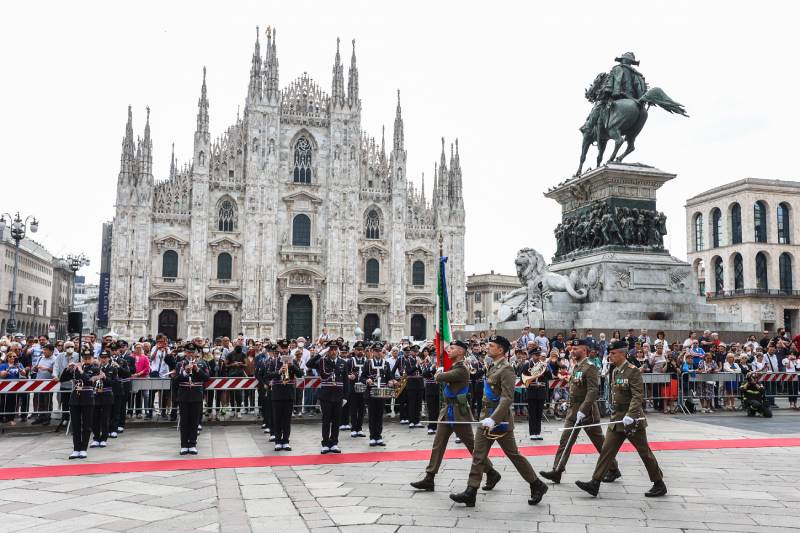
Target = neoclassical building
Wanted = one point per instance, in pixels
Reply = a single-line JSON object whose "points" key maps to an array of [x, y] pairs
{"points": [[744, 246], [291, 220]]}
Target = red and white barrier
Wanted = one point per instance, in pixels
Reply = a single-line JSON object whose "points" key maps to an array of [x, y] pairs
{"points": [[252, 383], [13, 386], [777, 377]]}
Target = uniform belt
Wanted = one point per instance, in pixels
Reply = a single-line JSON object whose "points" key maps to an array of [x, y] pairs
{"points": [[331, 384], [430, 382], [190, 385], [124, 380], [451, 401], [108, 389], [536, 384]]}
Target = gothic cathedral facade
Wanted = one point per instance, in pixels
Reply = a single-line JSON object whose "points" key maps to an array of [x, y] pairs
{"points": [[292, 220]]}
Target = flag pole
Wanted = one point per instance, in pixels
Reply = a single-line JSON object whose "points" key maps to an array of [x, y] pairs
{"points": [[439, 354]]}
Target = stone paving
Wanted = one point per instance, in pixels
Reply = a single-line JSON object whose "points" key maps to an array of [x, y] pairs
{"points": [[750, 490]]}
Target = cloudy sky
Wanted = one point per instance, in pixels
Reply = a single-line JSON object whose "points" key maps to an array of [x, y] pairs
{"points": [[506, 78]]}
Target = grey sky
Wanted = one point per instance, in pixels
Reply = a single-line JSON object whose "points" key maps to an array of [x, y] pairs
{"points": [[506, 78]]}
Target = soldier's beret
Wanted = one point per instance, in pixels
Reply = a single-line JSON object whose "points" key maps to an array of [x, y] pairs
{"points": [[500, 340], [460, 344], [577, 342], [618, 345]]}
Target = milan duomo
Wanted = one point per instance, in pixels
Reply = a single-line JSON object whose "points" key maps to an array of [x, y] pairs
{"points": [[291, 220]]}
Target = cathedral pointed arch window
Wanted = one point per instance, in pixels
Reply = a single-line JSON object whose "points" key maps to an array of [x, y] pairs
{"points": [[303, 152], [372, 225], [226, 215]]}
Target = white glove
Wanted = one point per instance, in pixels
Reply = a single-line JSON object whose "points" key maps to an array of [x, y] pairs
{"points": [[487, 423], [440, 369], [628, 421], [580, 416]]}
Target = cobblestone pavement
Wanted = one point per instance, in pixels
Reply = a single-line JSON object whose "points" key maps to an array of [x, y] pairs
{"points": [[750, 490]]}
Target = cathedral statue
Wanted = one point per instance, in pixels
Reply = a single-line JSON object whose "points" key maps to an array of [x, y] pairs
{"points": [[620, 101]]}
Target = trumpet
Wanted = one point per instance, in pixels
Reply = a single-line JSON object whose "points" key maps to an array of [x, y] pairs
{"points": [[285, 372]]}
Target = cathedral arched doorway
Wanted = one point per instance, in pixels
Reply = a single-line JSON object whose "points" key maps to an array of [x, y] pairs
{"points": [[419, 327], [222, 324], [371, 323], [299, 313], [168, 323]]}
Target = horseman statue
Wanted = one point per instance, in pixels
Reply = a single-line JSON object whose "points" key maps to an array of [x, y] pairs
{"points": [[621, 99]]}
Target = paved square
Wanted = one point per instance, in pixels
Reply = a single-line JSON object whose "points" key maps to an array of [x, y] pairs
{"points": [[737, 489]]}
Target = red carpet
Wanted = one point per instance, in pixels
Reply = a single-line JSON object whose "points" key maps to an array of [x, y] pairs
{"points": [[80, 469]]}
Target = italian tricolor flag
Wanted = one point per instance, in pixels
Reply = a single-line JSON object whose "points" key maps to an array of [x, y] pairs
{"points": [[443, 336]]}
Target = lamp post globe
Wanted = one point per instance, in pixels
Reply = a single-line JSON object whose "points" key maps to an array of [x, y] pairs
{"points": [[19, 226]]}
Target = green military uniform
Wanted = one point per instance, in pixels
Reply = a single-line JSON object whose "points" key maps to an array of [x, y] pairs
{"points": [[627, 390], [501, 378], [584, 389], [456, 379]]}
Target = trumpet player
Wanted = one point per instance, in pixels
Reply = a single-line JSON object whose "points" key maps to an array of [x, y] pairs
{"points": [[83, 376], [333, 372], [356, 401], [409, 368], [282, 372], [535, 375], [103, 400], [191, 374]]}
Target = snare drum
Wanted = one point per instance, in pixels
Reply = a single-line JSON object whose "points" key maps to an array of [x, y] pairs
{"points": [[359, 387], [382, 392]]}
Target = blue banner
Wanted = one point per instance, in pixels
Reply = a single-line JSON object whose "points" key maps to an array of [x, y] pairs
{"points": [[102, 302]]}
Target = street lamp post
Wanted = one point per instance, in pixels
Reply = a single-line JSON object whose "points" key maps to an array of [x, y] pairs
{"points": [[18, 229], [540, 286], [75, 263]]}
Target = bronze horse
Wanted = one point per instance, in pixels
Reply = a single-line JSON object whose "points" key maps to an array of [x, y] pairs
{"points": [[620, 120]]}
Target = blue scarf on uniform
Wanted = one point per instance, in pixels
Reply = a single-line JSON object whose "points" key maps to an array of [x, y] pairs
{"points": [[448, 393], [490, 394]]}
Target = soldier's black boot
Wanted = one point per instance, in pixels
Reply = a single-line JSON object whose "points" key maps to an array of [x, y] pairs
{"points": [[552, 475], [612, 475], [492, 479], [538, 490], [467, 497], [592, 487], [658, 489], [424, 484]]}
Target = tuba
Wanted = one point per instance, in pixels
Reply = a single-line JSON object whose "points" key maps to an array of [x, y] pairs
{"points": [[535, 372]]}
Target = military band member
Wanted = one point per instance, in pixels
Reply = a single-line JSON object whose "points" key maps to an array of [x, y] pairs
{"points": [[409, 368], [536, 396], [429, 369], [455, 409], [497, 407], [103, 400], [263, 388], [357, 400], [117, 417], [332, 370], [376, 372], [584, 390], [627, 393], [127, 385], [191, 373], [83, 376], [282, 376]]}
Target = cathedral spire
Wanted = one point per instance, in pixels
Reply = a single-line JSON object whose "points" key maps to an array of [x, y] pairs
{"points": [[271, 65], [383, 143], [127, 158], [256, 81], [456, 168], [337, 90], [352, 82], [173, 171], [422, 191], [398, 126], [144, 154], [202, 107]]}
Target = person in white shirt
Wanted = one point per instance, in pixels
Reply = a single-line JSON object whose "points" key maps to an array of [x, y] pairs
{"points": [[159, 369], [525, 338], [730, 365], [791, 366], [542, 340]]}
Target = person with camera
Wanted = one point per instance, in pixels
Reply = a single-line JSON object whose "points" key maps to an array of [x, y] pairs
{"points": [[83, 376], [158, 369], [191, 373]]}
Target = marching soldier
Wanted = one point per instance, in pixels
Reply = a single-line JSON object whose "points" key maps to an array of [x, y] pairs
{"points": [[191, 373], [282, 375], [536, 396], [375, 372], [356, 402], [627, 391], [456, 409], [431, 389], [83, 376], [584, 390], [498, 391], [103, 400], [333, 373]]}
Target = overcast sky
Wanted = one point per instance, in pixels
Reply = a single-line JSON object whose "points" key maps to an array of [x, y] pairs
{"points": [[506, 78]]}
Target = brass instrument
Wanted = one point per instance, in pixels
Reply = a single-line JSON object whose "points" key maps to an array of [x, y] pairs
{"points": [[535, 372], [402, 386], [285, 371]]}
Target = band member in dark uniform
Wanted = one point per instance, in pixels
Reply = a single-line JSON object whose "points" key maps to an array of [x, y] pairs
{"points": [[263, 387], [123, 375], [376, 372], [127, 384], [333, 372], [282, 372], [431, 389], [477, 371], [409, 368], [83, 376], [401, 401], [537, 393], [191, 373], [356, 401], [103, 400]]}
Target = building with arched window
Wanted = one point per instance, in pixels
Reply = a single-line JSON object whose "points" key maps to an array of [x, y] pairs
{"points": [[289, 219], [752, 259], [484, 297]]}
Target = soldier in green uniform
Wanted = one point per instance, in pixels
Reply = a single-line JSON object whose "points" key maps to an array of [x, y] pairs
{"points": [[499, 398], [627, 392], [584, 389], [455, 409]]}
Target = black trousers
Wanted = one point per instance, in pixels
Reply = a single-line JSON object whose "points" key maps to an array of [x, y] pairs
{"points": [[118, 412], [81, 425], [282, 420], [476, 397], [190, 419], [401, 404], [414, 398], [64, 399], [102, 415], [432, 407], [266, 409], [356, 407], [375, 417], [331, 419], [535, 408]]}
